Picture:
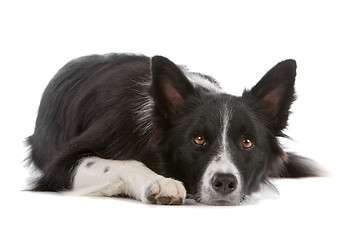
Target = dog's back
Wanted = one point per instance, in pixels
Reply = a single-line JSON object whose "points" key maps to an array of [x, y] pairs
{"points": [[113, 88]]}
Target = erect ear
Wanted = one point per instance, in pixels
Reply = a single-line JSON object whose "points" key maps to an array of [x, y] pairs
{"points": [[170, 87], [276, 93]]}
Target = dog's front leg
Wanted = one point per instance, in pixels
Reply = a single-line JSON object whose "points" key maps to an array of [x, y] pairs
{"points": [[102, 177]]}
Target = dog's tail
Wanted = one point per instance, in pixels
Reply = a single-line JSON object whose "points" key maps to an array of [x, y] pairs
{"points": [[299, 167]]}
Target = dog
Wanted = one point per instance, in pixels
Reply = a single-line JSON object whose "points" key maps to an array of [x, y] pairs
{"points": [[146, 128]]}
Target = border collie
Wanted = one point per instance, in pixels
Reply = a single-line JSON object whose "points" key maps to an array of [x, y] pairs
{"points": [[146, 128]]}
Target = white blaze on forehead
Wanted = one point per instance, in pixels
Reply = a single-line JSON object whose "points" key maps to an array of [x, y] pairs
{"points": [[222, 162], [223, 159], [225, 126]]}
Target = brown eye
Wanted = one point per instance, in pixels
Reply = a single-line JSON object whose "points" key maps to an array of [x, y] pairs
{"points": [[199, 140], [247, 143]]}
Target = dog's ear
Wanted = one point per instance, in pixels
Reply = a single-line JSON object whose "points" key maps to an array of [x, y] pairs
{"points": [[276, 93], [170, 87]]}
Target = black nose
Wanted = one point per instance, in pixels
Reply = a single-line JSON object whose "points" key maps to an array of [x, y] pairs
{"points": [[224, 183]]}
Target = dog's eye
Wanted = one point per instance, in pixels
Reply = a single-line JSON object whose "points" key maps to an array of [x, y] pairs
{"points": [[199, 140], [247, 143]]}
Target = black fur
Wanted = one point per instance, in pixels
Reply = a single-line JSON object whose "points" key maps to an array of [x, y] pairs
{"points": [[94, 107]]}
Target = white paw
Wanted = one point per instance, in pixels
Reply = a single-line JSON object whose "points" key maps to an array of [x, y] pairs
{"points": [[165, 191]]}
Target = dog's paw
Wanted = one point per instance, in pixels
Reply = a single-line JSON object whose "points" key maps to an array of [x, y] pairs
{"points": [[165, 191]]}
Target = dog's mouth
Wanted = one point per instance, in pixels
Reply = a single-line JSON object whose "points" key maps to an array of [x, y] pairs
{"points": [[218, 201], [222, 203]]}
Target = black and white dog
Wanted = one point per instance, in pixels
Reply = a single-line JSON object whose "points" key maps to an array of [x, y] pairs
{"points": [[122, 124]]}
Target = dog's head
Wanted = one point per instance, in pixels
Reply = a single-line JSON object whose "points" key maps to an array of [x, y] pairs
{"points": [[221, 146]]}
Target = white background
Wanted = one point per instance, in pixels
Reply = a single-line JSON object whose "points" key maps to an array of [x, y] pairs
{"points": [[234, 41]]}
